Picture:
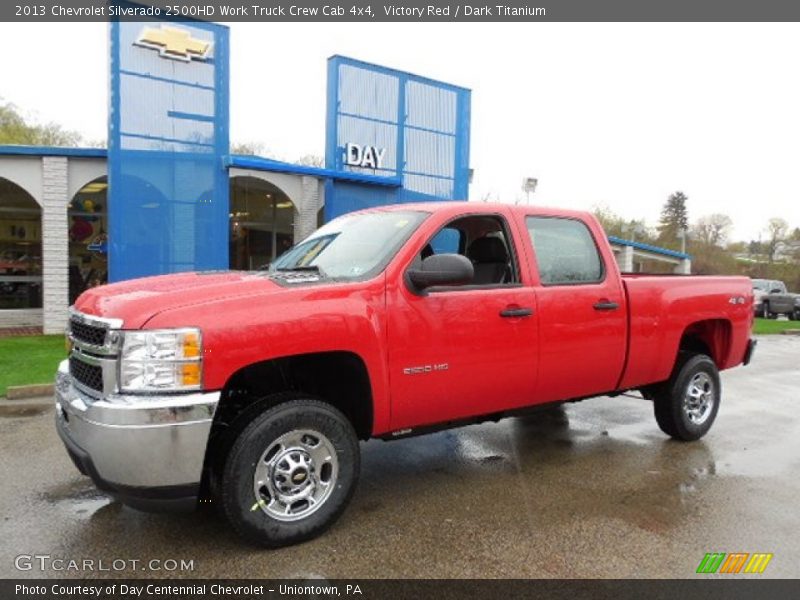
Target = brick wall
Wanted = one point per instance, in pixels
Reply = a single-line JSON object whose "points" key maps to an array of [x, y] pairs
{"points": [[305, 221], [55, 243]]}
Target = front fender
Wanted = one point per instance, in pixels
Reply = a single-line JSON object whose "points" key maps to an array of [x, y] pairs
{"points": [[241, 331]]}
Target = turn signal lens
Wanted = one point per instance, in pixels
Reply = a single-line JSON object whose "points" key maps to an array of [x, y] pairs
{"points": [[190, 374], [191, 345]]}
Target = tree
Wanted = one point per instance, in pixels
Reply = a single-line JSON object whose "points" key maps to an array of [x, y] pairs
{"points": [[611, 222], [777, 230], [14, 129], [248, 148], [712, 230], [311, 160], [674, 219], [739, 247], [615, 225]]}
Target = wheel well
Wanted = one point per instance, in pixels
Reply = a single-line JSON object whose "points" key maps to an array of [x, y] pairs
{"points": [[339, 378], [711, 337]]}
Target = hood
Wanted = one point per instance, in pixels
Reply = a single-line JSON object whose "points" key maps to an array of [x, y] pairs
{"points": [[138, 300]]}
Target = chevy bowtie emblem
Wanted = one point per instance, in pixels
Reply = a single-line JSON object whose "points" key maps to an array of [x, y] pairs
{"points": [[173, 42]]}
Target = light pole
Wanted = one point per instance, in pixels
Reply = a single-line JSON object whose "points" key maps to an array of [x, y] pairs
{"points": [[682, 235], [529, 186], [634, 228]]}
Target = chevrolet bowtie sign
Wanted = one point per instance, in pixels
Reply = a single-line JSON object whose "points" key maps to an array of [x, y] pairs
{"points": [[174, 42]]}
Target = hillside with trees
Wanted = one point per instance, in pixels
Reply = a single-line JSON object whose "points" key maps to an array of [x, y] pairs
{"points": [[776, 255]]}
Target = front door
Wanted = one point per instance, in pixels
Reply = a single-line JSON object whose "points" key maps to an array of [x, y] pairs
{"points": [[463, 351]]}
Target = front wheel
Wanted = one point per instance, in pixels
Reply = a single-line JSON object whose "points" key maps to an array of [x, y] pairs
{"points": [[290, 473], [687, 404]]}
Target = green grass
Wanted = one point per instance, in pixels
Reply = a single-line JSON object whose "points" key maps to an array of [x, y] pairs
{"points": [[767, 326], [29, 359]]}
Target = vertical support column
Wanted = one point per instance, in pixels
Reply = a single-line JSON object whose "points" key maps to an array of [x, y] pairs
{"points": [[684, 267], [305, 222], [55, 244], [626, 259]]}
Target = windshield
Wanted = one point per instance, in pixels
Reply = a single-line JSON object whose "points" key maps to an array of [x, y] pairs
{"points": [[761, 284], [352, 246]]}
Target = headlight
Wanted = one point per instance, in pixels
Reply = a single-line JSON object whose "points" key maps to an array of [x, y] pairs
{"points": [[161, 360]]}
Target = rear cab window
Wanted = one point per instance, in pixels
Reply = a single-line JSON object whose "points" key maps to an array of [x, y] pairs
{"points": [[566, 252]]}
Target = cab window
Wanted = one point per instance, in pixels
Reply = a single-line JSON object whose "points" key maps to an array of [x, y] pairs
{"points": [[484, 240], [565, 251]]}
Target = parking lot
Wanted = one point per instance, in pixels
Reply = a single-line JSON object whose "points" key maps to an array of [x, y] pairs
{"points": [[593, 489]]}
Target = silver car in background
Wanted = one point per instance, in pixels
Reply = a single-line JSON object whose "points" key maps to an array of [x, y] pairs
{"points": [[772, 299]]}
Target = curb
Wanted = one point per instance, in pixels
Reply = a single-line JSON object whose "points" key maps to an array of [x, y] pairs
{"points": [[18, 392], [24, 407], [790, 332]]}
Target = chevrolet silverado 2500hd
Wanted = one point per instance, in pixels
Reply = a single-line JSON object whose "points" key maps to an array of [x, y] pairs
{"points": [[253, 389]]}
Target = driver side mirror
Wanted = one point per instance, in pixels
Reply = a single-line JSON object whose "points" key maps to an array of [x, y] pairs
{"points": [[442, 269]]}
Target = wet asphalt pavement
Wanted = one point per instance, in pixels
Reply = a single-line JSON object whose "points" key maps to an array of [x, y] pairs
{"points": [[590, 490]]}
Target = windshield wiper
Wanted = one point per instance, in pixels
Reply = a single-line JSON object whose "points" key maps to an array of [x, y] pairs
{"points": [[300, 269]]}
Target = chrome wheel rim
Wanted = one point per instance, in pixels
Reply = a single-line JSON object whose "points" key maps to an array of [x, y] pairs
{"points": [[698, 402], [295, 475]]}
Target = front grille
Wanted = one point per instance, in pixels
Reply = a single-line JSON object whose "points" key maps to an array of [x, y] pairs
{"points": [[89, 334], [90, 376]]}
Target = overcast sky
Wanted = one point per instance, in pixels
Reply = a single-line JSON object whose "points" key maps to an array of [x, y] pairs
{"points": [[614, 114]]}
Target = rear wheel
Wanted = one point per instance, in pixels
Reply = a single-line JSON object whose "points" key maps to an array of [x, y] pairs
{"points": [[686, 405], [766, 313], [290, 473]]}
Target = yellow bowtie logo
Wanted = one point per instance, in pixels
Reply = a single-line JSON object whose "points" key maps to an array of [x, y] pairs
{"points": [[174, 42]]}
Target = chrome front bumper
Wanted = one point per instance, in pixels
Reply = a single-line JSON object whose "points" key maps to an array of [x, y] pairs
{"points": [[136, 447]]}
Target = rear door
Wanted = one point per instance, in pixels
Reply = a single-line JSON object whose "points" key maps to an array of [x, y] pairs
{"points": [[581, 308]]}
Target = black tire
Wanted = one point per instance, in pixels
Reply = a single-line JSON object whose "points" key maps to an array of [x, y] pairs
{"points": [[766, 313], [249, 512], [669, 399]]}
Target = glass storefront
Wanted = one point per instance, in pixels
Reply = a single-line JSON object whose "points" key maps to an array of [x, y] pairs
{"points": [[261, 223], [88, 238], [20, 248]]}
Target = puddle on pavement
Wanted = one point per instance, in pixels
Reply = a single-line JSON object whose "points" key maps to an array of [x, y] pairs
{"points": [[475, 450], [79, 498]]}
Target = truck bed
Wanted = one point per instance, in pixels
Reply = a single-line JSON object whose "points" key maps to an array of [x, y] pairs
{"points": [[662, 308]]}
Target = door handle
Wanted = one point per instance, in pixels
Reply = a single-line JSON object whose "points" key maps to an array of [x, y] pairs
{"points": [[516, 312], [606, 305]]}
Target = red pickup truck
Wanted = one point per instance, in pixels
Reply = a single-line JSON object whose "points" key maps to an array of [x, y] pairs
{"points": [[253, 389]]}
